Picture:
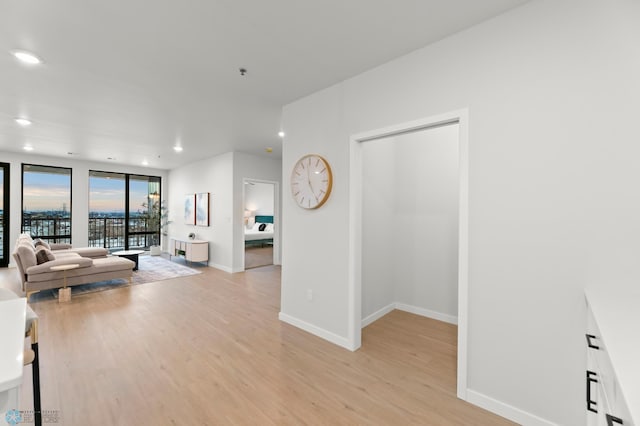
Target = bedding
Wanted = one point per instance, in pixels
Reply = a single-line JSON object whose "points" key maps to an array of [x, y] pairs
{"points": [[255, 235]]}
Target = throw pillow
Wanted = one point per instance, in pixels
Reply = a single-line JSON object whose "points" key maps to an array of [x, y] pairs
{"points": [[262, 226], [43, 255], [38, 242]]}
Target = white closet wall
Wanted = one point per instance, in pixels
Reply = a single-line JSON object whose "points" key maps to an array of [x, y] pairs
{"points": [[410, 222]]}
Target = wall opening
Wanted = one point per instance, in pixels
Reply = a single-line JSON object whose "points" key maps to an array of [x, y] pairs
{"points": [[259, 223], [408, 217]]}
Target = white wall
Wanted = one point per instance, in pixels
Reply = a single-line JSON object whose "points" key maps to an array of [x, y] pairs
{"points": [[79, 191], [215, 176], [222, 176], [378, 225], [259, 198], [410, 222], [552, 91]]}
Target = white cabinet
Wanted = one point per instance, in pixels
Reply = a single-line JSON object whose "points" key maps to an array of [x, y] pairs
{"points": [[612, 357], [191, 250], [12, 320]]}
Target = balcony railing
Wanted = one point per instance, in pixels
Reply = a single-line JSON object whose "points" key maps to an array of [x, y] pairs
{"points": [[107, 232], [50, 229]]}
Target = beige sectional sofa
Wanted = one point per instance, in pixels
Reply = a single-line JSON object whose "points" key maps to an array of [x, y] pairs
{"points": [[94, 265]]}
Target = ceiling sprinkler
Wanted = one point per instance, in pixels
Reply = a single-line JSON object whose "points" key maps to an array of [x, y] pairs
{"points": [[243, 71]]}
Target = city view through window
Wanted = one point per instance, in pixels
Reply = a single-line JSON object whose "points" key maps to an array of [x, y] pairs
{"points": [[123, 209], [46, 202]]}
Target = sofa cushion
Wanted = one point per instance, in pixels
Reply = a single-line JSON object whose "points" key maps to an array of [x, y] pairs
{"points": [[40, 273], [112, 263], [40, 243], [92, 252], [43, 255], [25, 237], [27, 255], [60, 246], [43, 272], [61, 254]]}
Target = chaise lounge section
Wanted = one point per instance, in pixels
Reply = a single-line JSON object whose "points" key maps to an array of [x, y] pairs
{"points": [[34, 262]]}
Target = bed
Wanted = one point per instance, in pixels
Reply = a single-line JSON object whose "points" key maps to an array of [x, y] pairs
{"points": [[254, 236]]}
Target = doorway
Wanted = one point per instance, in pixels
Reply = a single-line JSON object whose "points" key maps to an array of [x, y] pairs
{"points": [[405, 212], [259, 223]]}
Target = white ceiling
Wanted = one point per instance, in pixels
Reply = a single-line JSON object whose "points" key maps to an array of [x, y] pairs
{"points": [[129, 79]]}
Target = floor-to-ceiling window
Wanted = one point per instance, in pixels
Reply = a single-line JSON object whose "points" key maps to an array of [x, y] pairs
{"points": [[4, 214], [46, 202], [123, 210], [144, 211], [107, 218]]}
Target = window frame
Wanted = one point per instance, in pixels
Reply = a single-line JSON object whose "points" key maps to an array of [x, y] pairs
{"points": [[55, 238]]}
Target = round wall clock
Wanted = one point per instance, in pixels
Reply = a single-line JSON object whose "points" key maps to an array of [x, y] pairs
{"points": [[311, 181]]}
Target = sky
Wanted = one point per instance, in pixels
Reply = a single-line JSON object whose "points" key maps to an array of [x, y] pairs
{"points": [[49, 191], [45, 191]]}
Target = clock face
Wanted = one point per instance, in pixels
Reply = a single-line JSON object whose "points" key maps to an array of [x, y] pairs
{"points": [[311, 181]]}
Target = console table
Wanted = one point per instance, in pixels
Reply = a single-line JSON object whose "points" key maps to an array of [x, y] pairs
{"points": [[12, 321], [191, 250]]}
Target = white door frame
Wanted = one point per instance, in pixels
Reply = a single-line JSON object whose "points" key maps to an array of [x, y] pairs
{"points": [[276, 217], [355, 229]]}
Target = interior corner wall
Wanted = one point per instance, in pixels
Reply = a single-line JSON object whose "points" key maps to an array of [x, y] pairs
{"points": [[410, 223], [79, 190], [378, 227], [552, 93], [213, 175]]}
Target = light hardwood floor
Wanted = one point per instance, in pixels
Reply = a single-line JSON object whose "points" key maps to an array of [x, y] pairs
{"points": [[209, 350], [255, 257]]}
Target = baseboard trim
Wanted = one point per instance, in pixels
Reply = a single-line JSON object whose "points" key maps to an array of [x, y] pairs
{"points": [[221, 267], [505, 410], [427, 313], [411, 309], [378, 314], [315, 330]]}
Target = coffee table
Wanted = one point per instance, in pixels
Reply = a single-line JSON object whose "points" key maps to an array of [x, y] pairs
{"points": [[129, 254]]}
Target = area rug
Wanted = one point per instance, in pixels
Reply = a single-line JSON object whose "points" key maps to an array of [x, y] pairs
{"points": [[150, 269]]}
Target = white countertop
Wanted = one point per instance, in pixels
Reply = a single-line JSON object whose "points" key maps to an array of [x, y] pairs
{"points": [[12, 322], [618, 318]]}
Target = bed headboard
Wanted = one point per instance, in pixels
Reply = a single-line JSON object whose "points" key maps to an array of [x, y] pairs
{"points": [[264, 219]]}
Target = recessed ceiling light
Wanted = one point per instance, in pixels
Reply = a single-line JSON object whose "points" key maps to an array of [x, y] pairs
{"points": [[281, 134], [24, 122], [177, 148], [27, 57], [28, 148], [145, 163]]}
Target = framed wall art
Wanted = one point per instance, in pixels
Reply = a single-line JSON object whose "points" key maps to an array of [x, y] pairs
{"points": [[202, 209], [190, 209]]}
